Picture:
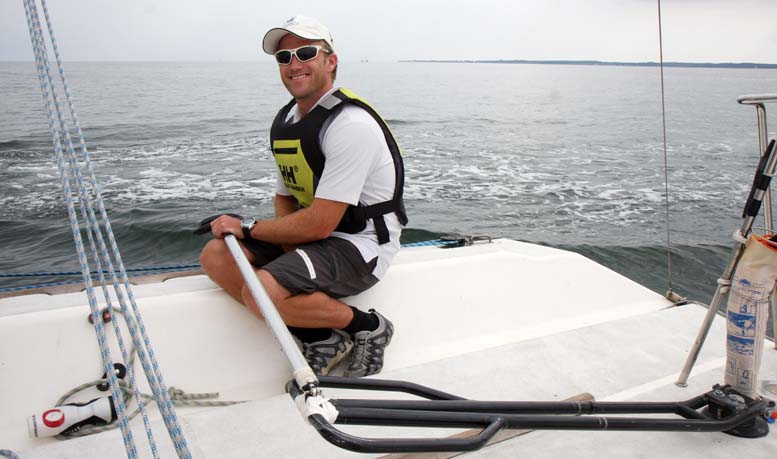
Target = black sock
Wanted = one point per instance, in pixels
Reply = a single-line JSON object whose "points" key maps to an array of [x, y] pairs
{"points": [[310, 335], [362, 321]]}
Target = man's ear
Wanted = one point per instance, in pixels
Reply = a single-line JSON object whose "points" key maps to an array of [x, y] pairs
{"points": [[331, 61]]}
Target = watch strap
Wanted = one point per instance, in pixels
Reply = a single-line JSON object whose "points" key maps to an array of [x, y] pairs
{"points": [[246, 225]]}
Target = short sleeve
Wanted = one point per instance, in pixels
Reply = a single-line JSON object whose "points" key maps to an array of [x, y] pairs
{"points": [[352, 145]]}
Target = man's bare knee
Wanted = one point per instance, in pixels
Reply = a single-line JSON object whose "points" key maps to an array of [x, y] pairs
{"points": [[213, 256], [216, 255]]}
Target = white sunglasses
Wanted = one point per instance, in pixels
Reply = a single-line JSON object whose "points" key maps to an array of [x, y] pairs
{"points": [[303, 53]]}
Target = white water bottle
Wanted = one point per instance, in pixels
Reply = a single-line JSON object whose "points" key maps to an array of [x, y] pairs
{"points": [[71, 417]]}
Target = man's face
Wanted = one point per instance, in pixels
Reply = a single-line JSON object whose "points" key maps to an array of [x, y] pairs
{"points": [[306, 80]]}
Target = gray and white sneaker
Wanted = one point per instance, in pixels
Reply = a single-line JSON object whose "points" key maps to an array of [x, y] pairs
{"points": [[322, 356], [369, 348]]}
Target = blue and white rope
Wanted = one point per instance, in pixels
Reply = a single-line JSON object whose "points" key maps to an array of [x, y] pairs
{"points": [[73, 282], [150, 365], [184, 267], [48, 91], [93, 230], [432, 242], [151, 369], [141, 270]]}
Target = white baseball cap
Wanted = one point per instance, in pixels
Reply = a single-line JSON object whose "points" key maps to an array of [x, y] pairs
{"points": [[301, 26]]}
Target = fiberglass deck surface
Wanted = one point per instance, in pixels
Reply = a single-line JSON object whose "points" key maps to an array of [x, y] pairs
{"points": [[444, 303], [633, 358]]}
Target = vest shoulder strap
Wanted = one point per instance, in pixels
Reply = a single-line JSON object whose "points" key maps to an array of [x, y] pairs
{"points": [[396, 205]]}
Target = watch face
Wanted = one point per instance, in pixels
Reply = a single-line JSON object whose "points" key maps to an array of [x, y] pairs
{"points": [[248, 222]]}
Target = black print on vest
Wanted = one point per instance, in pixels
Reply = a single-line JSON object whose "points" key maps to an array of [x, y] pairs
{"points": [[288, 174]]}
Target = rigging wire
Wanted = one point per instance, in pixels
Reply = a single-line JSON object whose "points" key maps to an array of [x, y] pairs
{"points": [[666, 161]]}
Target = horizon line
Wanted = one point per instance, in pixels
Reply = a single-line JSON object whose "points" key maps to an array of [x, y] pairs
{"points": [[753, 65], [743, 65]]}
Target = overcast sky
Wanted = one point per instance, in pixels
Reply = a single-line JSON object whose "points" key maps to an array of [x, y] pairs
{"points": [[612, 30]]}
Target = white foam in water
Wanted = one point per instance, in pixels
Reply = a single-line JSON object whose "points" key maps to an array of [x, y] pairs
{"points": [[513, 161], [577, 187]]}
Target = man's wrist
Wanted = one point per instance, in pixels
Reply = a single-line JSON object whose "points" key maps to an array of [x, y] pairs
{"points": [[247, 224]]}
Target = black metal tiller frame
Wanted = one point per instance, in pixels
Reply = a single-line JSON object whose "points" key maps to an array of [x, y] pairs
{"points": [[720, 410]]}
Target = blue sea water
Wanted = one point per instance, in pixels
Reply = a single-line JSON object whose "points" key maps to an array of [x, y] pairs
{"points": [[569, 156]]}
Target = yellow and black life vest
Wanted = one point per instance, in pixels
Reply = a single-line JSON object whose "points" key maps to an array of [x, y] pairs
{"points": [[297, 151]]}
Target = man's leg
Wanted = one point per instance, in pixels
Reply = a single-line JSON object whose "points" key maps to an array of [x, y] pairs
{"points": [[306, 310], [323, 323], [217, 262], [314, 318], [315, 310], [371, 332]]}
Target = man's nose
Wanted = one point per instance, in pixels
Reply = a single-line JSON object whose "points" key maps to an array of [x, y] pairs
{"points": [[295, 60]]}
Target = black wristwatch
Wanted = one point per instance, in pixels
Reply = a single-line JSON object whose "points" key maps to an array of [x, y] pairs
{"points": [[247, 224]]}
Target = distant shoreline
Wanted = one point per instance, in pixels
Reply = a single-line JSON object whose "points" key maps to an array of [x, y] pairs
{"points": [[724, 65]]}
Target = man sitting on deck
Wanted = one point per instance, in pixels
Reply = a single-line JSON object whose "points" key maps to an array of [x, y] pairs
{"points": [[338, 209]]}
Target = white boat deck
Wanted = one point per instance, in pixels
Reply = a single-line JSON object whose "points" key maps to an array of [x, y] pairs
{"points": [[502, 321]]}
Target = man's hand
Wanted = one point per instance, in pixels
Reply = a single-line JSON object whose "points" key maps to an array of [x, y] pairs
{"points": [[225, 225]]}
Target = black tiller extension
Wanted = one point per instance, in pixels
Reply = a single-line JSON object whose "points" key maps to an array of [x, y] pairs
{"points": [[720, 410]]}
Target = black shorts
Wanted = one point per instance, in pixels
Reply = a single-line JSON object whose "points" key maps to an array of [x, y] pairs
{"points": [[333, 266]]}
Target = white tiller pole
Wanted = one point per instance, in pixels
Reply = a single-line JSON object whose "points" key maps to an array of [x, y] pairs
{"points": [[301, 371]]}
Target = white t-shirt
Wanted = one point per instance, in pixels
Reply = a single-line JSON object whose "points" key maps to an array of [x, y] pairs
{"points": [[358, 169]]}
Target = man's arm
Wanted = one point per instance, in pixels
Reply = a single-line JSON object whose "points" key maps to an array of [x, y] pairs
{"points": [[309, 224], [284, 205]]}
